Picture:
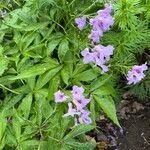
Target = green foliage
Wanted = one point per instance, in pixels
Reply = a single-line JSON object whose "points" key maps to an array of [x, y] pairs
{"points": [[40, 54]]}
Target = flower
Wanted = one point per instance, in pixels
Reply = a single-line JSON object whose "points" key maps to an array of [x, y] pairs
{"points": [[76, 108], [101, 23], [106, 11], [77, 92], [60, 97], [95, 35], [81, 103], [136, 74], [81, 22], [84, 117], [71, 111], [87, 56], [100, 55]]}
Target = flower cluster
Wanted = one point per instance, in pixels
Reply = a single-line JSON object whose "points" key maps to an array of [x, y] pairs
{"points": [[77, 107], [136, 74], [101, 23], [99, 55]]}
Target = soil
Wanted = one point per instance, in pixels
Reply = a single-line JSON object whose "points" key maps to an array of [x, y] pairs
{"points": [[137, 132], [134, 134]]}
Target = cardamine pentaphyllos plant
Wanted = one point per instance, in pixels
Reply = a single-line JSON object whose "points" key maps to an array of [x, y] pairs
{"points": [[61, 65]]}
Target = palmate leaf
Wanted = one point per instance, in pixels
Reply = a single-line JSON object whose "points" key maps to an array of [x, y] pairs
{"points": [[108, 106]]}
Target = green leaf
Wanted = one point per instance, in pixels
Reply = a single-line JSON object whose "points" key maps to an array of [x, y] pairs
{"points": [[53, 86], [32, 71], [108, 106], [12, 102], [3, 124], [43, 79], [80, 129], [105, 90], [81, 146], [87, 75], [17, 129], [65, 75], [31, 82], [52, 45], [29, 144], [3, 64], [36, 26], [25, 106], [100, 81], [63, 48], [92, 110]]}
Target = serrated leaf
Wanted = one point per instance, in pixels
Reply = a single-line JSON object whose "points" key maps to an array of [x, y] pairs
{"points": [[32, 71], [36, 26], [92, 110], [3, 65], [53, 86], [105, 90], [17, 129], [100, 81], [108, 106], [47, 77], [52, 45], [12, 102], [81, 146], [65, 75], [63, 48], [80, 129], [87, 75], [3, 124], [25, 106]]}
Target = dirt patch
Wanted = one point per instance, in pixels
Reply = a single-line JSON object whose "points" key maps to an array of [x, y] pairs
{"points": [[134, 134], [137, 132]]}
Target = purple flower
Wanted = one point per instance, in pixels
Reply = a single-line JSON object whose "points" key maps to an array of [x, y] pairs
{"points": [[103, 20], [84, 117], [77, 108], [101, 23], [81, 22], [102, 54], [60, 97], [106, 11], [81, 103], [77, 92], [104, 69], [87, 56], [95, 35], [136, 74], [71, 111]]}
